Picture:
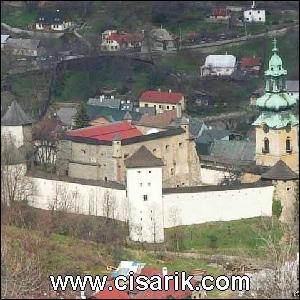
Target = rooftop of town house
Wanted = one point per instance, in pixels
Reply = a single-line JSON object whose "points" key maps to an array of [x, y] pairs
{"points": [[220, 12], [51, 17], [108, 132], [220, 61], [280, 171], [15, 116], [143, 158], [161, 97], [125, 37], [251, 61]]}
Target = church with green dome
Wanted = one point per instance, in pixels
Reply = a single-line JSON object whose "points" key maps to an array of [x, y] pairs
{"points": [[277, 125]]}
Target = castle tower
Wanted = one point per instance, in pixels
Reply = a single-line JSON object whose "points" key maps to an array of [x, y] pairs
{"points": [[144, 194], [17, 126], [276, 126]]}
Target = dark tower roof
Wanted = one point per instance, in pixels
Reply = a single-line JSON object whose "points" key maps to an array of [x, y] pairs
{"points": [[15, 116], [143, 158], [280, 171]]}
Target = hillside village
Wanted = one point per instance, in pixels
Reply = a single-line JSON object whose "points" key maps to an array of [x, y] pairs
{"points": [[153, 138]]}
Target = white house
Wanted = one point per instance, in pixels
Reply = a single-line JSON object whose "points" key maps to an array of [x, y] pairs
{"points": [[4, 38], [220, 65], [254, 15], [292, 87], [52, 21]]}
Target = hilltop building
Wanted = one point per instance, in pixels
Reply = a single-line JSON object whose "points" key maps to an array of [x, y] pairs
{"points": [[55, 21], [276, 126], [162, 101], [218, 65], [254, 15]]}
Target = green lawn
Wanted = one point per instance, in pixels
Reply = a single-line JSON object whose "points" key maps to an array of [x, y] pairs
{"points": [[18, 17], [241, 237]]}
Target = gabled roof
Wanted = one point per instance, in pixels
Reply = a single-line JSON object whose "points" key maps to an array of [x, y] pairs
{"points": [[160, 120], [15, 116], [143, 158], [220, 61], [280, 171], [105, 102], [48, 17], [161, 97], [126, 37], [251, 61], [66, 115], [108, 132], [221, 12]]}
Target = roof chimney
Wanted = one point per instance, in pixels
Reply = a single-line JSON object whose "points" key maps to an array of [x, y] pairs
{"points": [[170, 91], [57, 10], [253, 5], [164, 271], [158, 89]]}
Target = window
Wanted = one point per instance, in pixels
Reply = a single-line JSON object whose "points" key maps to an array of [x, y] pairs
{"points": [[288, 146], [149, 183], [259, 18], [258, 11], [83, 151], [172, 171], [146, 105], [173, 107], [154, 150], [126, 155], [249, 12], [145, 197], [180, 145], [105, 178], [288, 189], [149, 172], [159, 106], [266, 148], [167, 147], [168, 106], [139, 171]]}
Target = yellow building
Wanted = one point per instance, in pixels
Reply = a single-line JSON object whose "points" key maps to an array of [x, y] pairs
{"points": [[276, 126]]}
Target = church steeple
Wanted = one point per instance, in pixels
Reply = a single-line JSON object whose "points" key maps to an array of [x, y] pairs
{"points": [[276, 126]]}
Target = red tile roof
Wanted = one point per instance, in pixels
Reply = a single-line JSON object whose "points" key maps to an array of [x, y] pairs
{"points": [[125, 37], [123, 130], [160, 120], [161, 97], [251, 61], [114, 294], [221, 12]]}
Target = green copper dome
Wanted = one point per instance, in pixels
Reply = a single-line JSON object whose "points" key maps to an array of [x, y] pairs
{"points": [[278, 101]]}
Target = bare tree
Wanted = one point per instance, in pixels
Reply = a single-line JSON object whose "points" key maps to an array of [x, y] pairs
{"points": [[20, 267], [176, 236], [15, 186]]}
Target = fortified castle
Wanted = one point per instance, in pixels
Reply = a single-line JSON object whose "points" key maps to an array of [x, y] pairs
{"points": [[153, 176]]}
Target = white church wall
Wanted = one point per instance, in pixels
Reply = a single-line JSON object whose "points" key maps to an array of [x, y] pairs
{"points": [[79, 198], [208, 206]]}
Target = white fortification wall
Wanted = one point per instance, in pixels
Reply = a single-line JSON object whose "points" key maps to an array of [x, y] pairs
{"points": [[224, 205], [79, 198], [212, 176]]}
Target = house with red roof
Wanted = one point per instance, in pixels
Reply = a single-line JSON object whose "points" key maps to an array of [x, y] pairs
{"points": [[162, 101], [220, 13], [114, 41], [251, 65]]}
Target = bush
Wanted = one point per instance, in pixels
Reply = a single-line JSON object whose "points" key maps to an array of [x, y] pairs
{"points": [[212, 241], [276, 208]]}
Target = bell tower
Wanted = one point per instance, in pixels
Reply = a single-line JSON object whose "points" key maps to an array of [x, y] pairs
{"points": [[276, 126]]}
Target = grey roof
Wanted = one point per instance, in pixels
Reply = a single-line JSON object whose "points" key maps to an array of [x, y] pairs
{"points": [[233, 150], [209, 135], [15, 116], [280, 171], [292, 85], [23, 43], [143, 158], [50, 17], [66, 115], [105, 102], [4, 38]]}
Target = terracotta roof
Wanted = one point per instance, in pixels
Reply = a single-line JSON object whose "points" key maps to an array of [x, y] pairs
{"points": [[280, 171], [15, 116], [114, 294], [143, 158], [220, 12], [108, 132], [161, 97], [159, 120], [251, 61], [126, 37]]}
